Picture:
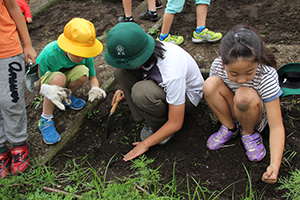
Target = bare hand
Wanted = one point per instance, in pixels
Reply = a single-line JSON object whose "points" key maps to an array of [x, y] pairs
{"points": [[270, 176], [137, 151], [29, 54], [114, 99]]}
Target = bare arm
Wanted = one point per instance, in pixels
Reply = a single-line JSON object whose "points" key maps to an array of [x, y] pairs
{"points": [[94, 82], [277, 140], [15, 13], [174, 124]]}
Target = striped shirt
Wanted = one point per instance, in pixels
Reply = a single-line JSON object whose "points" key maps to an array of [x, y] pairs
{"points": [[265, 81]]}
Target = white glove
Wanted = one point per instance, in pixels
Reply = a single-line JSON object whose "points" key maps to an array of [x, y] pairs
{"points": [[56, 94], [96, 93]]}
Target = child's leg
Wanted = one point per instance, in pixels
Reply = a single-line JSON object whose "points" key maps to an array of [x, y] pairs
{"points": [[248, 109], [172, 7], [46, 124], [12, 101], [77, 77], [127, 5], [151, 5], [220, 99], [54, 78], [149, 98], [13, 118], [167, 23], [201, 12], [249, 112]]}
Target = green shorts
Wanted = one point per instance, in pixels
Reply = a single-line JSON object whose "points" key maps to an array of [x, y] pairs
{"points": [[72, 75]]}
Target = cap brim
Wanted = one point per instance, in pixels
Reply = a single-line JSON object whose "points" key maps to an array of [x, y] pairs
{"points": [[78, 50], [133, 63], [290, 91], [290, 67]]}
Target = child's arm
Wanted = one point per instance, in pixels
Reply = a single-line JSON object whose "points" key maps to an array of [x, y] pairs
{"points": [[15, 13], [277, 140], [27, 13], [174, 124]]}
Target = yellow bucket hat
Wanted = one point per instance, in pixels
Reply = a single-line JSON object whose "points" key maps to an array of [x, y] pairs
{"points": [[79, 38]]}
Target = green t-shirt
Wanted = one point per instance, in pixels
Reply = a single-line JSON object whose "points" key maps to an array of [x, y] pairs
{"points": [[53, 58]]}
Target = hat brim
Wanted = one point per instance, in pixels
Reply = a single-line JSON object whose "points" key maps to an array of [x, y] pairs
{"points": [[290, 91], [290, 67], [79, 50], [132, 63]]}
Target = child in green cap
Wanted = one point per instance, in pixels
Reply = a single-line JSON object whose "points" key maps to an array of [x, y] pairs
{"points": [[160, 81], [68, 62]]}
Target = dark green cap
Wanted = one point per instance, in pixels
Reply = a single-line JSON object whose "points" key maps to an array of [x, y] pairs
{"points": [[128, 46], [289, 78]]}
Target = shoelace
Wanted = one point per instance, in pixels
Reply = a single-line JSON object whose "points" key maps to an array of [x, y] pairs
{"points": [[173, 38], [221, 134], [251, 144]]}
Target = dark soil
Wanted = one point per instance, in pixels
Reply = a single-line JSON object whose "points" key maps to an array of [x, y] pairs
{"points": [[277, 21]]}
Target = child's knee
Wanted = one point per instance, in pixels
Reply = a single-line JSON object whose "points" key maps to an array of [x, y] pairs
{"points": [[246, 98], [211, 85], [54, 78]]}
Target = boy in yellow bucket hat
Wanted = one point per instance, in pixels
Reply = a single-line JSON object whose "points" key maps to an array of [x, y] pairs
{"points": [[68, 62]]}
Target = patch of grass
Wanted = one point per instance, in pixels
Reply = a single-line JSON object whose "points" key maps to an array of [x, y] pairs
{"points": [[37, 102], [79, 180], [291, 184], [250, 192]]}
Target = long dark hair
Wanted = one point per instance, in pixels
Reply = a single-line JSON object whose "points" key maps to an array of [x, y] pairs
{"points": [[158, 52], [244, 42]]}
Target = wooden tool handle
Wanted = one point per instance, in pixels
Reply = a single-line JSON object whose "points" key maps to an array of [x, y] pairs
{"points": [[114, 107]]}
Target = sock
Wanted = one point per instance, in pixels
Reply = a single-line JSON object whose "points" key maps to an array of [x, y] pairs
{"points": [[234, 129], [200, 29], [3, 149], [18, 144], [162, 37], [47, 117], [152, 12], [128, 18]]}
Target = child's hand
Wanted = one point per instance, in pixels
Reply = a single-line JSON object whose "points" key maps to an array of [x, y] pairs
{"points": [[114, 99], [29, 54], [56, 94], [137, 151], [96, 93], [270, 176]]}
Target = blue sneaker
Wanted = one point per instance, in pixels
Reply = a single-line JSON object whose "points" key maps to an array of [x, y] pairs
{"points": [[76, 103], [50, 135]]}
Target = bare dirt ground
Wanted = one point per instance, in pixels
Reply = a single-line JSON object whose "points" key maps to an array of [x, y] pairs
{"points": [[278, 22]]}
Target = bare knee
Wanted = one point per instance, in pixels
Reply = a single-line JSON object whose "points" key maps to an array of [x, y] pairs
{"points": [[246, 98], [210, 85], [59, 80]]}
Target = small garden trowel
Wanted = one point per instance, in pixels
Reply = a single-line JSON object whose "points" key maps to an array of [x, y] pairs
{"points": [[110, 116]]}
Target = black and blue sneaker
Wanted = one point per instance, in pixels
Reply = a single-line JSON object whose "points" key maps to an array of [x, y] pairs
{"points": [[76, 103], [50, 135]]}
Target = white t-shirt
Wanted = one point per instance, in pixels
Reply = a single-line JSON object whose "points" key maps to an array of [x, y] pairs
{"points": [[180, 75]]}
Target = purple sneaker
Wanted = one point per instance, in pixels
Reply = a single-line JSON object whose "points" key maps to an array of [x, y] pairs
{"points": [[254, 146], [218, 139]]}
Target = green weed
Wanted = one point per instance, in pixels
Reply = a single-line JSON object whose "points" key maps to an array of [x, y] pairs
{"points": [[37, 102], [291, 184]]}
